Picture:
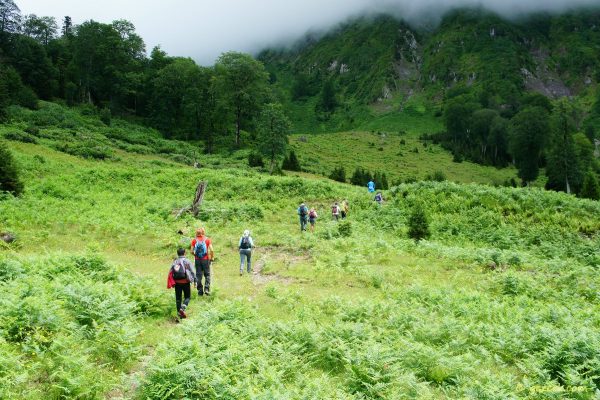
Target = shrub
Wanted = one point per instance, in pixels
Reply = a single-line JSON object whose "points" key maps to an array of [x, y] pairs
{"points": [[291, 163], [19, 136], [437, 176], [338, 174], [591, 188], [345, 228], [255, 160], [418, 226], [105, 116], [9, 173]]}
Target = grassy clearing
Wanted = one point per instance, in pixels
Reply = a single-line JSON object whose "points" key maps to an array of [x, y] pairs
{"points": [[399, 155], [502, 302]]}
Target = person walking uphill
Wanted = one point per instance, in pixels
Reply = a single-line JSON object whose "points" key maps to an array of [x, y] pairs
{"points": [[335, 211], [303, 214], [312, 218], [345, 208], [246, 244], [181, 276], [204, 255]]}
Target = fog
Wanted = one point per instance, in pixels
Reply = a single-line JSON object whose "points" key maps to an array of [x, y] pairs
{"points": [[204, 29]]}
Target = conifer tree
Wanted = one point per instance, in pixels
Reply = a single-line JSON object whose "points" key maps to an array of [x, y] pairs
{"points": [[590, 188], [9, 174], [418, 225]]}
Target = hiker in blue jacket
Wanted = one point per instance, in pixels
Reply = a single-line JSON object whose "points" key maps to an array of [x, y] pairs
{"points": [[303, 214], [371, 186]]}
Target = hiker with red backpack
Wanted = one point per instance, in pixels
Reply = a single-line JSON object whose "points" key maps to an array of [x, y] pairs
{"points": [[312, 219], [181, 276], [204, 255], [335, 211], [246, 244]]}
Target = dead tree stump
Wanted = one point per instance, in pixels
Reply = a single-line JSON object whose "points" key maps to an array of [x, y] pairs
{"points": [[197, 203]]}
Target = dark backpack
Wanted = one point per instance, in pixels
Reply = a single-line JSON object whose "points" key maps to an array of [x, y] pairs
{"points": [[312, 215], [245, 243], [179, 271], [303, 211], [200, 249]]}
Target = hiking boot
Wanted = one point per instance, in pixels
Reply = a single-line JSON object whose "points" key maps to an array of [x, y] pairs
{"points": [[241, 273], [207, 293], [200, 293], [182, 313]]}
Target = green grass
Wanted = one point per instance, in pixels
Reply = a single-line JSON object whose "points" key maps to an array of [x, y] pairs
{"points": [[400, 156], [501, 302]]}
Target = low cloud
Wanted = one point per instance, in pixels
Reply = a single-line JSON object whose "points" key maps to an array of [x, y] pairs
{"points": [[204, 29]]}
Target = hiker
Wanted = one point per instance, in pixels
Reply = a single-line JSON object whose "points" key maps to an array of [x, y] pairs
{"points": [[312, 218], [335, 211], [371, 186], [303, 214], [246, 244], [345, 208], [203, 255], [379, 198], [181, 276]]}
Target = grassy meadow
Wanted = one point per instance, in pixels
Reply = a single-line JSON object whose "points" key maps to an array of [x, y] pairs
{"points": [[502, 302]]}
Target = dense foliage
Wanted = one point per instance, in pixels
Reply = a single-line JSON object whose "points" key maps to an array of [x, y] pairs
{"points": [[9, 172]]}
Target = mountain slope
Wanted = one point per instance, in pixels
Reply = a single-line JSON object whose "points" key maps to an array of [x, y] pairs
{"points": [[383, 60]]}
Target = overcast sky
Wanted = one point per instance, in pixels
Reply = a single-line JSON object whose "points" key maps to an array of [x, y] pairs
{"points": [[203, 29]]}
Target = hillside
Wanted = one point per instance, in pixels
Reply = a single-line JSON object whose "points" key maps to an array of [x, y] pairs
{"points": [[384, 63], [500, 302]]}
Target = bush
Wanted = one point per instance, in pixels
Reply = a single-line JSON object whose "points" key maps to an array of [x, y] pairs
{"points": [[255, 160], [19, 136], [338, 174], [437, 176], [591, 188], [418, 226], [105, 116], [291, 163], [9, 173], [345, 228]]}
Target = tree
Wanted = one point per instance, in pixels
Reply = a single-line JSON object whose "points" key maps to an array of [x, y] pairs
{"points": [[481, 126], [529, 132], [338, 174], [457, 118], [563, 167], [418, 225], [9, 174], [327, 100], [498, 141], [241, 83], [291, 163], [10, 17], [273, 128], [42, 29], [177, 98], [67, 28], [590, 188]]}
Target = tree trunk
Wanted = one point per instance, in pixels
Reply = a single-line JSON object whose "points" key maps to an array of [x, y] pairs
{"points": [[195, 207], [238, 122]]}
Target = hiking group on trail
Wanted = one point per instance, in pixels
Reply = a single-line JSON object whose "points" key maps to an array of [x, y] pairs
{"points": [[310, 216], [181, 274]]}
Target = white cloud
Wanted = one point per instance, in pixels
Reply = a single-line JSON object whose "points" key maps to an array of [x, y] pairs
{"points": [[204, 29]]}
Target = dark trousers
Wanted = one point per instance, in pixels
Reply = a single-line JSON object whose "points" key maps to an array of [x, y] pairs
{"points": [[182, 289], [203, 270], [343, 214]]}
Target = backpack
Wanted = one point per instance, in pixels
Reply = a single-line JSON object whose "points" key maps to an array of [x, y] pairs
{"points": [[200, 249], [303, 211], [179, 271], [245, 243], [312, 214], [378, 197]]}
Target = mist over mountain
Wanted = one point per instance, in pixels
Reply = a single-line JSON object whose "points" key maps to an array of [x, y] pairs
{"points": [[205, 29]]}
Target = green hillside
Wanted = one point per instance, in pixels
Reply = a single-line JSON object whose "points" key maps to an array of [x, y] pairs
{"points": [[381, 60], [500, 302]]}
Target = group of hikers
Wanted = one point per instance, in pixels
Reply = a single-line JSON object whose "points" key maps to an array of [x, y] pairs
{"points": [[182, 275], [309, 216]]}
